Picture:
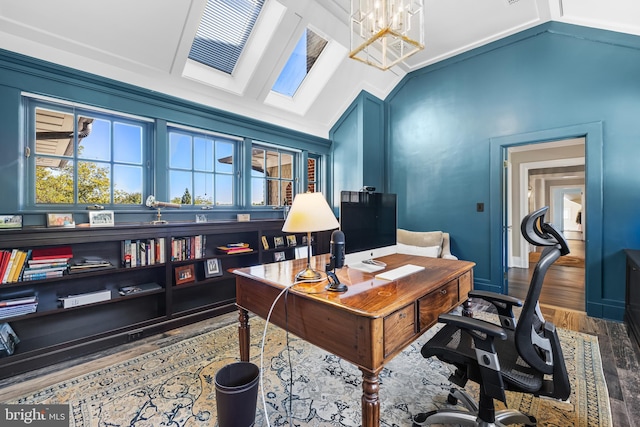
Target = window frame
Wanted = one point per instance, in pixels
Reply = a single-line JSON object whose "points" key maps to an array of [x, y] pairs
{"points": [[235, 174], [33, 102], [296, 156]]}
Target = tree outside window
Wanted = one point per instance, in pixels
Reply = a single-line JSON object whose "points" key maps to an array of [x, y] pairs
{"points": [[84, 157]]}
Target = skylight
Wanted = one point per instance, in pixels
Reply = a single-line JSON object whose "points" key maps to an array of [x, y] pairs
{"points": [[223, 32], [305, 54]]}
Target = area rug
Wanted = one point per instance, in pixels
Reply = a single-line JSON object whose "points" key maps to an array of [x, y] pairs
{"points": [[175, 386]]}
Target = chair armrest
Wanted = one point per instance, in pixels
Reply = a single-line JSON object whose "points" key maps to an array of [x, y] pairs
{"points": [[504, 305], [470, 324]]}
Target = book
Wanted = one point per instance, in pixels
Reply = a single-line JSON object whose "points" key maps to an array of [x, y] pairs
{"points": [[18, 310], [42, 275], [136, 289], [59, 252], [126, 253], [18, 301], [16, 269], [4, 260]]}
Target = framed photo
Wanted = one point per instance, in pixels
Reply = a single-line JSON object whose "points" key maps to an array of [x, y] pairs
{"points": [[278, 241], [101, 219], [212, 268], [60, 220], [201, 218], [265, 243], [10, 222], [301, 252], [278, 256], [185, 274], [291, 240]]}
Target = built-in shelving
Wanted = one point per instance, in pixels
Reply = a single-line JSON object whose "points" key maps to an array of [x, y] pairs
{"points": [[53, 334]]}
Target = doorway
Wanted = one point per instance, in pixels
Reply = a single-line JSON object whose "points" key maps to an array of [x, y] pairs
{"points": [[548, 174]]}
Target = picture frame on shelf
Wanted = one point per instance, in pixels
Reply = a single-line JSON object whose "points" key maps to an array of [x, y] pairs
{"points": [[201, 218], [265, 243], [301, 252], [212, 268], [60, 220], [10, 222], [101, 219], [185, 274], [291, 240], [278, 241], [279, 256]]}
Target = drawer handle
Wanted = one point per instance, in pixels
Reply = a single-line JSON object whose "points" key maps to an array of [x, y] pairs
{"points": [[403, 315], [443, 291]]}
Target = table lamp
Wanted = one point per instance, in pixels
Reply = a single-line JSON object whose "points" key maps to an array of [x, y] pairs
{"points": [[309, 213]]}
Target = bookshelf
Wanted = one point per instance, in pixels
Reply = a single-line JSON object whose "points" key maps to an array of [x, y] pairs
{"points": [[53, 333]]}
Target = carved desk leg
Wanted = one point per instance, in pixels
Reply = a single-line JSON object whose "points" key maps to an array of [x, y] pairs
{"points": [[243, 334], [370, 399]]}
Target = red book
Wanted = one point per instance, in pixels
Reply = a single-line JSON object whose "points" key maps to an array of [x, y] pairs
{"points": [[4, 260], [52, 253]]}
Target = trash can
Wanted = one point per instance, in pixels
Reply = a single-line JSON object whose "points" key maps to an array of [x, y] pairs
{"points": [[237, 394]]}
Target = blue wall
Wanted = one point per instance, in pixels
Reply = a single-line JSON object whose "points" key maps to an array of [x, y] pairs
{"points": [[19, 74], [358, 147], [446, 123]]}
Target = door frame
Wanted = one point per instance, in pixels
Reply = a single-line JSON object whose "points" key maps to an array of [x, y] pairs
{"points": [[593, 135], [523, 202]]}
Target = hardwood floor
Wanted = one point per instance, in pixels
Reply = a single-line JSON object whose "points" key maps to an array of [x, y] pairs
{"points": [[563, 285]]}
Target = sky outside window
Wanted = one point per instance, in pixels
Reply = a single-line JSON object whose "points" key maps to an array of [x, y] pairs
{"points": [[300, 62]]}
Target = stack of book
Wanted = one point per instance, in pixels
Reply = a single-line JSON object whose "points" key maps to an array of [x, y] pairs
{"points": [[47, 263], [235, 248], [89, 264], [18, 306]]}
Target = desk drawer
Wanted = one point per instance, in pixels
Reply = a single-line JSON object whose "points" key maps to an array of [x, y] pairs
{"points": [[464, 283], [436, 303], [398, 328]]}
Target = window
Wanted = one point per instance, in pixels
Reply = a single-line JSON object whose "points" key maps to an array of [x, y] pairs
{"points": [[300, 62], [313, 164], [272, 176], [83, 156], [223, 32], [201, 168]]}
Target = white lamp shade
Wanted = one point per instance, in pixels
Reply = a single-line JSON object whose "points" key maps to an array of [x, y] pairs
{"points": [[310, 212]]}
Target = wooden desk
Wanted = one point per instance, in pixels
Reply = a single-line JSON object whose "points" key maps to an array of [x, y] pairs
{"points": [[368, 324]]}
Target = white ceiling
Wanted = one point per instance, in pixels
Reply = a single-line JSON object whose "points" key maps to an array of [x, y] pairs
{"points": [[146, 43]]}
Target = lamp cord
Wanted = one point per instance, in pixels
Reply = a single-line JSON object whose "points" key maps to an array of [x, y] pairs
{"points": [[285, 292]]}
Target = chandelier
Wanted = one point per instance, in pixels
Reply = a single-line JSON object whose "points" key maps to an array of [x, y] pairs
{"points": [[386, 32]]}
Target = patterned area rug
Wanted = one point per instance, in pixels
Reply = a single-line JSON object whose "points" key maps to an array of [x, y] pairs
{"points": [[174, 386]]}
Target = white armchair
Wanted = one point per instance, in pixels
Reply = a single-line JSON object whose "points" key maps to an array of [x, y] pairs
{"points": [[433, 244]]}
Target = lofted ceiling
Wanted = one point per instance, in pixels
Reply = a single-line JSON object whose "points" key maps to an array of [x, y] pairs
{"points": [[146, 43]]}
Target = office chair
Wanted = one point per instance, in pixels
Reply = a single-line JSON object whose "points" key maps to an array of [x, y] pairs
{"points": [[523, 355]]}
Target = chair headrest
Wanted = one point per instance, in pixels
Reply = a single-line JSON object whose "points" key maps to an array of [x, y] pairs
{"points": [[539, 233]]}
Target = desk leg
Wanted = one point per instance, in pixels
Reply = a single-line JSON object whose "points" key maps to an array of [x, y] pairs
{"points": [[243, 334], [370, 400]]}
